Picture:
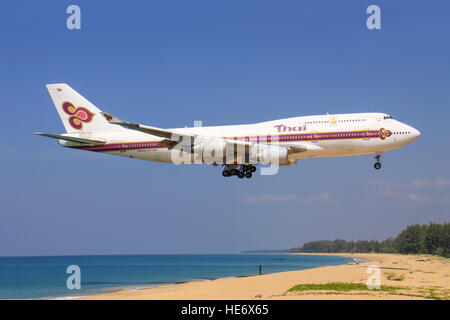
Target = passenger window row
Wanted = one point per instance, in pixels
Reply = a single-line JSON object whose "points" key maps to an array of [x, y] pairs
{"points": [[349, 120]]}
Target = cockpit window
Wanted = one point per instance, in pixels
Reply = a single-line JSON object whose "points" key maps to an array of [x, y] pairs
{"points": [[387, 117]]}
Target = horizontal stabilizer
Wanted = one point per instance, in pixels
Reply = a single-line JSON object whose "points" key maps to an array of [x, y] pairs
{"points": [[71, 139]]}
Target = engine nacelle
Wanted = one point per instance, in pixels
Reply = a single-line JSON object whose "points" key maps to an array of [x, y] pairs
{"points": [[212, 150], [273, 155]]}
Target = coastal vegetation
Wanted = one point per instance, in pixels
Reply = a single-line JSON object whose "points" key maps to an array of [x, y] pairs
{"points": [[433, 239], [338, 286], [351, 288]]}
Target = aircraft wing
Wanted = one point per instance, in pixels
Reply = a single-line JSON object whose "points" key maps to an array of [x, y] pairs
{"points": [[71, 139], [172, 137], [163, 133]]}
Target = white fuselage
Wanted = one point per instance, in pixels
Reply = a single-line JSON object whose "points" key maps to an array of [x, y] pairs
{"points": [[328, 135]]}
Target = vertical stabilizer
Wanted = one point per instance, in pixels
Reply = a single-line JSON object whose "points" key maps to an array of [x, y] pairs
{"points": [[77, 113]]}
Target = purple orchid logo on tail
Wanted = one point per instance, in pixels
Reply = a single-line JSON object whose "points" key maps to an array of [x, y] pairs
{"points": [[77, 115]]}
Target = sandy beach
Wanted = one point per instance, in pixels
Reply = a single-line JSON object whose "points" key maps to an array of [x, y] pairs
{"points": [[401, 277]]}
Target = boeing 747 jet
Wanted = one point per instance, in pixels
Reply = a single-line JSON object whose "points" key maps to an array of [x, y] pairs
{"points": [[237, 148]]}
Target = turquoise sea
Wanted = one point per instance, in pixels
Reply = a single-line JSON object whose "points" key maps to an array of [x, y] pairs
{"points": [[46, 277]]}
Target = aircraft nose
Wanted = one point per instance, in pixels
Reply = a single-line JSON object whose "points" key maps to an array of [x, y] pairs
{"points": [[415, 134]]}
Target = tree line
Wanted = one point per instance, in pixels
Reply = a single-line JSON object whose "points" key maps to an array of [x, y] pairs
{"points": [[433, 238]]}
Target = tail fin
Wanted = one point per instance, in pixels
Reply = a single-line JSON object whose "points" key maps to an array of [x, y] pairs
{"points": [[77, 113]]}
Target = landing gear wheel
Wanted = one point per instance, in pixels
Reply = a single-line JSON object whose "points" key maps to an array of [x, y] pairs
{"points": [[245, 167], [226, 173], [234, 172], [248, 174], [240, 174], [252, 169], [377, 164]]}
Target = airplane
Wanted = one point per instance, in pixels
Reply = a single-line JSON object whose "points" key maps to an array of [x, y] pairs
{"points": [[238, 148]]}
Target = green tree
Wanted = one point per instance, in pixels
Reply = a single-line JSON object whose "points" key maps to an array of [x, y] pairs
{"points": [[434, 237], [373, 246], [446, 231], [387, 246], [338, 245], [362, 246], [411, 239], [350, 246]]}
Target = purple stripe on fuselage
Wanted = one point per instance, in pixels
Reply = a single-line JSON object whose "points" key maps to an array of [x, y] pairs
{"points": [[320, 136], [125, 146]]}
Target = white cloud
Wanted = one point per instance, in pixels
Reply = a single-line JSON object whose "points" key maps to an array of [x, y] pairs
{"points": [[276, 198], [436, 183], [383, 184], [445, 199], [410, 196], [409, 191], [415, 183], [324, 196], [270, 198], [417, 197], [389, 193]]}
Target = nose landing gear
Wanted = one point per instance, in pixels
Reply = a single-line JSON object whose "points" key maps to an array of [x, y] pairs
{"points": [[377, 164]]}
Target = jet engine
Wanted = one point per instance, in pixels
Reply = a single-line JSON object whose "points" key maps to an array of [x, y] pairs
{"points": [[272, 154]]}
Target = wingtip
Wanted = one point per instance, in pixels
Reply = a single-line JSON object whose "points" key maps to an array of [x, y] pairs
{"points": [[52, 85]]}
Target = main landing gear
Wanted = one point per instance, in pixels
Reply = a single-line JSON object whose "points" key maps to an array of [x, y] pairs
{"points": [[377, 164], [244, 170]]}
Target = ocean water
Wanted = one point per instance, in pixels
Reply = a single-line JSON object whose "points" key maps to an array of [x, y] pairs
{"points": [[46, 277]]}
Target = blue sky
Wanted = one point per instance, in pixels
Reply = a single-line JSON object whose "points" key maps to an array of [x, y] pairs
{"points": [[168, 63]]}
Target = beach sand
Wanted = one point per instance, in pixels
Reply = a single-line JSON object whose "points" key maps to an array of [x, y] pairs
{"points": [[408, 276]]}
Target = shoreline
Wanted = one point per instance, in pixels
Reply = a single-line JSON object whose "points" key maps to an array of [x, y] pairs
{"points": [[243, 269], [402, 277], [145, 286]]}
